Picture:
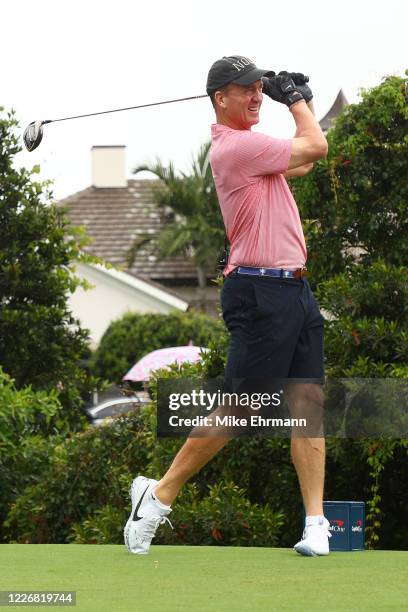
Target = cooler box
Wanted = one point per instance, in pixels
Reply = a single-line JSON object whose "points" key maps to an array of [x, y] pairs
{"points": [[347, 524]]}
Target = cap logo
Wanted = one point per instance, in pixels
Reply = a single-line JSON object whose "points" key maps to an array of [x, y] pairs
{"points": [[241, 63]]}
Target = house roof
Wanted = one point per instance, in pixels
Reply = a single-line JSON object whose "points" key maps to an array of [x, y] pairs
{"points": [[339, 103], [114, 218], [154, 290]]}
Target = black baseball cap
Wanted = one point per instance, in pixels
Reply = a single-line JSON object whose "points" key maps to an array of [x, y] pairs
{"points": [[233, 69]]}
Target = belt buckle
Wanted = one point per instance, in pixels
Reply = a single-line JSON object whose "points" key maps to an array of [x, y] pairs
{"points": [[262, 271], [302, 272], [286, 273]]}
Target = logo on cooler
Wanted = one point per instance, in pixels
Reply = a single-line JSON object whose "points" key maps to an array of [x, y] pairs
{"points": [[336, 525], [358, 526]]}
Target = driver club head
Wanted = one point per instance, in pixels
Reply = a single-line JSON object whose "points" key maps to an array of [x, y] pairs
{"points": [[33, 135]]}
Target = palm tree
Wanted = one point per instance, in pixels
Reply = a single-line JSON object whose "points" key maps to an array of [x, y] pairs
{"points": [[194, 228]]}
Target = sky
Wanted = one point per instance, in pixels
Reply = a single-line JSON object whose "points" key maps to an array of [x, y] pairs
{"points": [[60, 58]]}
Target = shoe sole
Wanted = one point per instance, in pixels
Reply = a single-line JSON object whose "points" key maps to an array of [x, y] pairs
{"points": [[307, 551], [138, 483]]}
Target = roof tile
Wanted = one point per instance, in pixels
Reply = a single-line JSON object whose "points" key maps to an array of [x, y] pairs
{"points": [[114, 217]]}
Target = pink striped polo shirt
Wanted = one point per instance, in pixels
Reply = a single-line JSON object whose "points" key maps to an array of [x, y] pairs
{"points": [[260, 215]]}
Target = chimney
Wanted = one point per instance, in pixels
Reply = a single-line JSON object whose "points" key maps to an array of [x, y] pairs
{"points": [[108, 166]]}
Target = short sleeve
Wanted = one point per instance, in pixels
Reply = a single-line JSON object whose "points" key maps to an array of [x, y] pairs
{"points": [[258, 154]]}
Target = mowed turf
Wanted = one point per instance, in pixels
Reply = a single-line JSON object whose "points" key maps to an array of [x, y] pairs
{"points": [[174, 578]]}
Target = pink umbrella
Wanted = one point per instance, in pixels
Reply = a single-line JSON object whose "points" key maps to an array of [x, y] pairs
{"points": [[161, 358]]}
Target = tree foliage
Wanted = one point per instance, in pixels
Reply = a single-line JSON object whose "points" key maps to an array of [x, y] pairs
{"points": [[27, 420], [41, 342], [367, 334], [354, 202]]}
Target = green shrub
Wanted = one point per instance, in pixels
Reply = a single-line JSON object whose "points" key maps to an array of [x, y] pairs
{"points": [[356, 197], [41, 342], [27, 421], [368, 336], [82, 495], [85, 472], [89, 477], [223, 517], [376, 291], [104, 526], [131, 337], [90, 474]]}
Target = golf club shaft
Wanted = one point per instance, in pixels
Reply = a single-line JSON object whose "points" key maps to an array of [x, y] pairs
{"points": [[117, 110]]}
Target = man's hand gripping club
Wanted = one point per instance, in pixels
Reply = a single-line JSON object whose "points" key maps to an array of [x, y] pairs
{"points": [[287, 87]]}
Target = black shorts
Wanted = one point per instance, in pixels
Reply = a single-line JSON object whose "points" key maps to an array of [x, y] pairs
{"points": [[276, 328]]}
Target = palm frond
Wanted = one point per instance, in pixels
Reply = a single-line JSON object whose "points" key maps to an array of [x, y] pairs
{"points": [[137, 244], [196, 228], [166, 174]]}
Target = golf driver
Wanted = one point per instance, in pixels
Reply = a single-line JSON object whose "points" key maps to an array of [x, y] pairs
{"points": [[33, 133]]}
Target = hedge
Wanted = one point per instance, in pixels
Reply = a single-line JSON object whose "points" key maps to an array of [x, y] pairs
{"points": [[28, 420], [131, 337], [250, 488]]}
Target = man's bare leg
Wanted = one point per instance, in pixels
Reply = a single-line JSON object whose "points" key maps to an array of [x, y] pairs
{"points": [[203, 443], [308, 454], [192, 456]]}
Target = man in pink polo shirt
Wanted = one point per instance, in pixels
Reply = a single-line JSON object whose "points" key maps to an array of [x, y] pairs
{"points": [[275, 324]]}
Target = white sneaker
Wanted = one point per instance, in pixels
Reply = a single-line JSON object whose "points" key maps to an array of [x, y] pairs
{"points": [[315, 539], [145, 517]]}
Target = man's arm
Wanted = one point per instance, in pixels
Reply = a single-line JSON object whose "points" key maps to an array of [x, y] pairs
{"points": [[305, 168], [309, 144], [299, 171]]}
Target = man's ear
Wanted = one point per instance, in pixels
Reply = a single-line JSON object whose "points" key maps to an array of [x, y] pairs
{"points": [[219, 98]]}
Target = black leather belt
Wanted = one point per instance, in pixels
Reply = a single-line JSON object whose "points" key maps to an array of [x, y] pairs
{"points": [[276, 272]]}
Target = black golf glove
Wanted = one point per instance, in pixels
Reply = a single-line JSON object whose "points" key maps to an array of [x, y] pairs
{"points": [[281, 88], [300, 81]]}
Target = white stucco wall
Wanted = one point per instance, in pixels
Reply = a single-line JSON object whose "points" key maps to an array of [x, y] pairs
{"points": [[111, 298]]}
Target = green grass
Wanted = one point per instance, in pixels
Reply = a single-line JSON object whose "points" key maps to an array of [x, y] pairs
{"points": [[175, 578]]}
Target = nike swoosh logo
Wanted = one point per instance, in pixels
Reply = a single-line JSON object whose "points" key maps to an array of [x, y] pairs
{"points": [[135, 515]]}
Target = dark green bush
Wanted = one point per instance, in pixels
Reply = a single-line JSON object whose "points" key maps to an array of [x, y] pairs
{"points": [[104, 526], [357, 196], [85, 472], [134, 335], [27, 420], [223, 517], [41, 342], [90, 474], [368, 336], [83, 495], [376, 291]]}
